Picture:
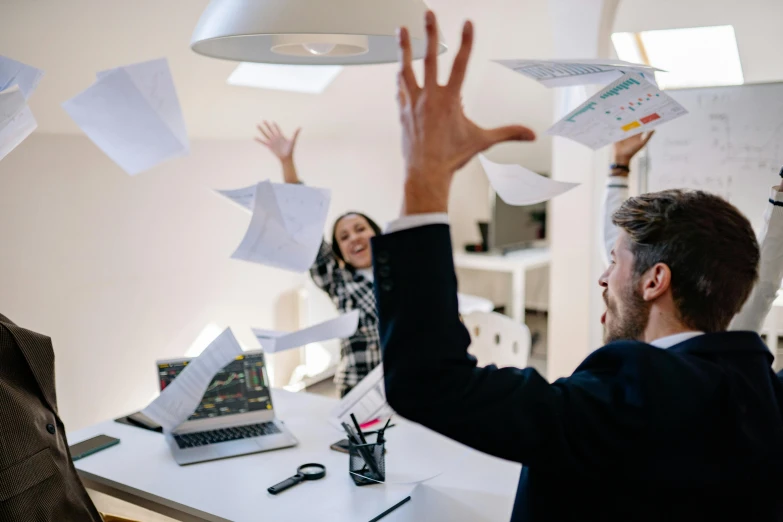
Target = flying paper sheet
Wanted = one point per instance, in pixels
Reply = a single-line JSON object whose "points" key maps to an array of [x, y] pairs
{"points": [[133, 115], [565, 73], [287, 226], [519, 186], [180, 399], [627, 107], [367, 401], [340, 328], [16, 120], [244, 197], [16, 73]]}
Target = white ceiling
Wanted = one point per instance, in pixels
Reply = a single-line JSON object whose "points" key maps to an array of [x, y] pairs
{"points": [[73, 39]]}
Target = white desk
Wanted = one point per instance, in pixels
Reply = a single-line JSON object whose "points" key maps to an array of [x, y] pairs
{"points": [[516, 263], [474, 487]]}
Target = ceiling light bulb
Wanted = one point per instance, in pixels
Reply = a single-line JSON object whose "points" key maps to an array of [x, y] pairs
{"points": [[319, 48]]}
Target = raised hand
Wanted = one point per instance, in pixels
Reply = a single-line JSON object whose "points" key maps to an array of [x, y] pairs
{"points": [[626, 149], [274, 139], [437, 137]]}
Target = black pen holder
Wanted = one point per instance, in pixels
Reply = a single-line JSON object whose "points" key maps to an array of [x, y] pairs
{"points": [[363, 473]]}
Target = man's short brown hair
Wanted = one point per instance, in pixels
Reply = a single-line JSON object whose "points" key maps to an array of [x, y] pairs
{"points": [[708, 245]]}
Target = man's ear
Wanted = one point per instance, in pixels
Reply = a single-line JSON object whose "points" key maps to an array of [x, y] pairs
{"points": [[656, 282]]}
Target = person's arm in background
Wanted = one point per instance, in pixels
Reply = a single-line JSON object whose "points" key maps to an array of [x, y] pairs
{"points": [[324, 269], [616, 191], [755, 310]]}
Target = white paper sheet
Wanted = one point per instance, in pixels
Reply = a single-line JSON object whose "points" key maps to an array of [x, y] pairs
{"points": [[244, 197], [341, 327], [367, 401], [287, 226], [627, 107], [132, 113], [566, 73], [16, 120], [180, 399], [16, 73], [519, 186]]}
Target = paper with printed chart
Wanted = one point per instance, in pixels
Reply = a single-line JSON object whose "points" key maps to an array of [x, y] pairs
{"points": [[367, 401], [627, 107], [244, 197], [519, 186], [566, 73], [342, 327], [287, 226], [16, 73], [177, 402], [133, 115], [16, 120]]}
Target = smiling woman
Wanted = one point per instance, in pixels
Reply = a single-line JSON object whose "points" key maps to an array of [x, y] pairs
{"points": [[343, 270]]}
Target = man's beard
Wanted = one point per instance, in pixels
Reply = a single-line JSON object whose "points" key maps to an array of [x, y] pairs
{"points": [[631, 324]]}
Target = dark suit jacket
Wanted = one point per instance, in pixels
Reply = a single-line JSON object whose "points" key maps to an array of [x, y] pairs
{"points": [[690, 433], [38, 482]]}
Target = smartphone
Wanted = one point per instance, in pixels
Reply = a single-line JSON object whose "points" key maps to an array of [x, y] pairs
{"points": [[93, 445], [341, 446]]}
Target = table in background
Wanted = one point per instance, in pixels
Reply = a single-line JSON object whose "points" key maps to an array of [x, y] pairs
{"points": [[475, 487]]}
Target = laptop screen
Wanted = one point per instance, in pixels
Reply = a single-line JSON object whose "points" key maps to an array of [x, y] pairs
{"points": [[240, 387]]}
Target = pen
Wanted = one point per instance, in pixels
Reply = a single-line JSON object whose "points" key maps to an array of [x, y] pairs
{"points": [[358, 429], [383, 431], [395, 506], [373, 432]]}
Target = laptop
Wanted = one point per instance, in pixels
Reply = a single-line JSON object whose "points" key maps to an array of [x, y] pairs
{"points": [[235, 416]]}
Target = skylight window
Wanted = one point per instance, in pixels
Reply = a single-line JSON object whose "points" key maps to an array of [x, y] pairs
{"points": [[694, 57], [310, 79]]}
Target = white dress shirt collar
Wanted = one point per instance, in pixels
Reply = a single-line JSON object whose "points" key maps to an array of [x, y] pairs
{"points": [[671, 340]]}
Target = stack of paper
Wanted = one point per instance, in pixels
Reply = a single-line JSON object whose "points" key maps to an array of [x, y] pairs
{"points": [[273, 341], [16, 73], [627, 107], [565, 73], [133, 115], [16, 120], [177, 402], [519, 186], [287, 226]]}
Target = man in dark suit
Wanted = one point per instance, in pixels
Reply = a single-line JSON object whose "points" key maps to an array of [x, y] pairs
{"points": [[37, 479], [673, 420]]}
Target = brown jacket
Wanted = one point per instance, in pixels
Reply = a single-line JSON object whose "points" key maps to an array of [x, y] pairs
{"points": [[37, 479]]}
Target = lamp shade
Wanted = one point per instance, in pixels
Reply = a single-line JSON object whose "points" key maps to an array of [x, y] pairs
{"points": [[310, 32]]}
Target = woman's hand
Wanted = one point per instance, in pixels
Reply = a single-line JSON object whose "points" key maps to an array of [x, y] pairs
{"points": [[274, 139]]}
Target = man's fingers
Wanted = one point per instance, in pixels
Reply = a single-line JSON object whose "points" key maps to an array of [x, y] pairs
{"points": [[296, 135], [402, 97], [647, 137], [406, 63], [509, 133], [262, 142], [461, 60], [431, 58]]}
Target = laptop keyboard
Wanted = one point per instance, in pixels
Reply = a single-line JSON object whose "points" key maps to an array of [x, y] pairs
{"points": [[202, 438]]}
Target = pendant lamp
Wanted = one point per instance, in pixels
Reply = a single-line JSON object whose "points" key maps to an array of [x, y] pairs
{"points": [[310, 32]]}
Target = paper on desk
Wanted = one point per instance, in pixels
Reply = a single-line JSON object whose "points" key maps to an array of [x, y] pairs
{"points": [[367, 401], [244, 197], [180, 399], [627, 107], [16, 73], [566, 73], [519, 186], [16, 120], [287, 226], [340, 328], [133, 115]]}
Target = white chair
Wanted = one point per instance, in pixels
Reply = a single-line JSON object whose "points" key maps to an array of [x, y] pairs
{"points": [[498, 339]]}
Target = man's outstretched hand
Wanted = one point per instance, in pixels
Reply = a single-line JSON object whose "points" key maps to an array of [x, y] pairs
{"points": [[437, 138]]}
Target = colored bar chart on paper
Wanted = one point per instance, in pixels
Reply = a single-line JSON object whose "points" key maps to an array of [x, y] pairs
{"points": [[629, 106]]}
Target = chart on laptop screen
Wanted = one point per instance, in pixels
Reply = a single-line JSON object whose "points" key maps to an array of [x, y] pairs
{"points": [[240, 387]]}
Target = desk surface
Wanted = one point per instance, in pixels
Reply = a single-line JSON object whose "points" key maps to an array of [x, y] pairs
{"points": [[519, 259], [473, 486]]}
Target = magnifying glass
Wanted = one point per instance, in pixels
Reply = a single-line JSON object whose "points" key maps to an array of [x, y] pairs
{"points": [[304, 472]]}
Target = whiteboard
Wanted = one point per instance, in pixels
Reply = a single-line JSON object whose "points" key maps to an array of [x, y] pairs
{"points": [[730, 144]]}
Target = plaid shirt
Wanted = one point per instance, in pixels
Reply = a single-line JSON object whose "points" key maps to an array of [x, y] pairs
{"points": [[350, 290]]}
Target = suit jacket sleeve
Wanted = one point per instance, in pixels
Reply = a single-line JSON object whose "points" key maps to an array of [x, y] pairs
{"points": [[431, 379]]}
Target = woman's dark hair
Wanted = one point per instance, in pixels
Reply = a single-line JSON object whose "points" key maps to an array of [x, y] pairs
{"points": [[336, 247]]}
